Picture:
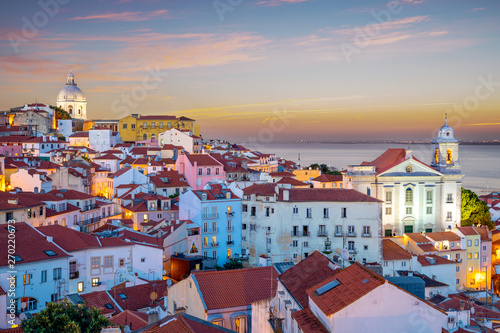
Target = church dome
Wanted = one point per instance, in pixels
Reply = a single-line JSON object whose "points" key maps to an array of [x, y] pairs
{"points": [[71, 92], [446, 133]]}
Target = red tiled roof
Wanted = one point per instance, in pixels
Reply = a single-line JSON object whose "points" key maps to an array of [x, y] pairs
{"points": [[119, 172], [355, 282], [483, 232], [308, 322], [8, 201], [308, 272], [140, 238], [237, 287], [453, 302], [99, 299], [260, 189], [467, 231], [324, 178], [439, 260], [388, 159], [72, 194], [69, 208], [108, 157], [282, 174], [202, 160], [138, 297], [427, 247], [326, 194], [392, 251], [184, 323], [443, 236], [26, 234], [72, 240], [417, 237], [80, 135], [291, 181], [133, 319]]}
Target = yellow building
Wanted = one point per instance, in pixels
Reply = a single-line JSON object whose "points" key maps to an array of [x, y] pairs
{"points": [[307, 174], [476, 277], [137, 127]]}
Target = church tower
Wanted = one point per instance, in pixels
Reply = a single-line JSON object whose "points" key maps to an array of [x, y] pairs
{"points": [[445, 150], [72, 99]]}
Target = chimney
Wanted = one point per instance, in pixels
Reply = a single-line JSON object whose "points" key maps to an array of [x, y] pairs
{"points": [[44, 138], [286, 195], [133, 196], [36, 190], [410, 273], [408, 154]]}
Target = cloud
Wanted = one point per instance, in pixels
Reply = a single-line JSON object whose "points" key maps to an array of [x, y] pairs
{"points": [[274, 3], [484, 124], [477, 9], [126, 16]]}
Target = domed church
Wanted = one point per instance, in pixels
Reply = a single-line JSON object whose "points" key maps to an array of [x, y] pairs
{"points": [[72, 99]]}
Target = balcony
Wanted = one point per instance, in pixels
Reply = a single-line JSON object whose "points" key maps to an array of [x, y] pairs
{"points": [[230, 214], [353, 250], [296, 233], [230, 242], [338, 234], [366, 234], [210, 216], [275, 322], [212, 244], [322, 233], [88, 207], [459, 260], [351, 234], [89, 221], [211, 231], [74, 275]]}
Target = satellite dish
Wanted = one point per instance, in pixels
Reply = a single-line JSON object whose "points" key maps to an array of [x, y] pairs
{"points": [[153, 296], [345, 254], [472, 310], [460, 324], [22, 316], [164, 272], [127, 329], [169, 282]]}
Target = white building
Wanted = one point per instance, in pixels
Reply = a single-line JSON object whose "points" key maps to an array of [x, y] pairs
{"points": [[65, 127], [417, 197], [102, 138], [31, 180], [72, 99], [290, 224], [185, 138], [102, 263]]}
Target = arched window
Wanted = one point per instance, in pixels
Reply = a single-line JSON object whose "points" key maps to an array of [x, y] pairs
{"points": [[409, 168], [436, 156], [70, 110], [153, 136], [145, 137], [449, 157], [409, 196]]}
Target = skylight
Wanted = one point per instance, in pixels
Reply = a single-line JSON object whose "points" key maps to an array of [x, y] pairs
{"points": [[327, 287], [109, 306], [123, 296], [17, 258], [50, 253]]}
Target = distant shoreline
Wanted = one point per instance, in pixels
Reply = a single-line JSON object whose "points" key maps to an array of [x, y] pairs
{"points": [[286, 142]]}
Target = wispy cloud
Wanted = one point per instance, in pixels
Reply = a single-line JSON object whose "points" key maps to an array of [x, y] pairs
{"points": [[274, 3], [126, 16], [484, 124], [477, 9]]}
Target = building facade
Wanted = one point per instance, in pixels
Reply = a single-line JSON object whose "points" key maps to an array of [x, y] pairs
{"points": [[136, 127], [72, 100]]}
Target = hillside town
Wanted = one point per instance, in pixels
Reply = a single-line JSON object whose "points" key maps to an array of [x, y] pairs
{"points": [[162, 230]]}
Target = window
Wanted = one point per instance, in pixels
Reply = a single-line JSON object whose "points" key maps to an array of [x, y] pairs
{"points": [[218, 322], [309, 212], [449, 215], [153, 124], [388, 211], [449, 198], [240, 324], [458, 269], [253, 211], [217, 172], [366, 230], [95, 263], [295, 256], [57, 273], [469, 242], [476, 242], [343, 212], [295, 210], [268, 240], [409, 196], [161, 124], [295, 243], [350, 246], [469, 255], [403, 263], [365, 247], [95, 282], [121, 262], [214, 254], [244, 226], [484, 247], [386, 263], [108, 261], [29, 213], [145, 137], [209, 172], [326, 213], [322, 230], [26, 279], [388, 232], [306, 244], [428, 210], [350, 230], [200, 172], [428, 195], [409, 168], [144, 125], [388, 197], [44, 276], [409, 210], [476, 255], [80, 287], [338, 230], [125, 126], [132, 126], [252, 227], [458, 281], [267, 211]]}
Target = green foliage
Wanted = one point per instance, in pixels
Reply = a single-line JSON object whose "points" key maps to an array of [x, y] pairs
{"points": [[60, 113], [233, 264], [87, 158], [173, 195], [474, 210], [66, 317], [324, 169]]}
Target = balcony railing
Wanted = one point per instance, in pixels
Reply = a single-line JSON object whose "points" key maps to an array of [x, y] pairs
{"points": [[210, 216], [339, 234], [351, 234], [89, 221], [366, 234], [300, 233], [74, 275], [211, 231], [89, 207], [230, 214], [275, 322], [230, 243], [214, 243], [353, 250], [322, 233]]}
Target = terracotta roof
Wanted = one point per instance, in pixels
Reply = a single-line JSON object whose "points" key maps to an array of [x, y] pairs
{"points": [[427, 247], [168, 179], [324, 178], [237, 287], [291, 181], [80, 135], [282, 174], [388, 159], [308, 322], [483, 232], [260, 189], [425, 260], [133, 319], [72, 240], [326, 194], [10, 201], [184, 323], [26, 234], [108, 157], [453, 302], [69, 208], [443, 236], [467, 231], [120, 172], [202, 160], [72, 194], [355, 281], [215, 194], [417, 237], [139, 151], [140, 238], [138, 297], [308, 272], [392, 251], [100, 300]]}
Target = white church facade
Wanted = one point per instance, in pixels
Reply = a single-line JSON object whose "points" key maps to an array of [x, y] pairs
{"points": [[416, 197], [72, 100]]}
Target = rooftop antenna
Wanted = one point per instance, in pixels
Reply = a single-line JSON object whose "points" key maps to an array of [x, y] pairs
{"points": [[446, 119]]}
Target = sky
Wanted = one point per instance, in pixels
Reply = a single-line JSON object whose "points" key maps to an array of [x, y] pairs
{"points": [[265, 70]]}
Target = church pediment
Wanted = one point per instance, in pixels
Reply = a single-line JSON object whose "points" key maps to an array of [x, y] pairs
{"points": [[410, 168]]}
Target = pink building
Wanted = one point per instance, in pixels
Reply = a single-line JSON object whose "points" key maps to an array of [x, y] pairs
{"points": [[11, 151], [200, 169]]}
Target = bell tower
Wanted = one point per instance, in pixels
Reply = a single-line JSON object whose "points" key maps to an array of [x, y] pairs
{"points": [[445, 151]]}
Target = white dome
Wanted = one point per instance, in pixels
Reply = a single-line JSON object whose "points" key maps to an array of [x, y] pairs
{"points": [[71, 93], [446, 133]]}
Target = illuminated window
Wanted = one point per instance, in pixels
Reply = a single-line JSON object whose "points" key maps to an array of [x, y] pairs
{"points": [[470, 269], [95, 282], [218, 322], [240, 324], [469, 255], [436, 156], [80, 287], [449, 157]]}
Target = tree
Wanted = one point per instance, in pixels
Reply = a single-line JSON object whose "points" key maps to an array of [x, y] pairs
{"points": [[474, 210], [324, 169], [233, 264], [66, 317], [60, 113]]}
